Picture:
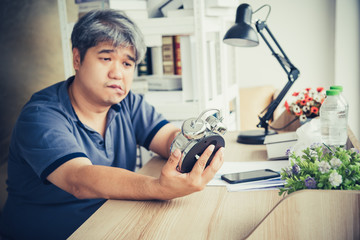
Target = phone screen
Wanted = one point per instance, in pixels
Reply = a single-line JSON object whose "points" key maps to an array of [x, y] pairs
{"points": [[250, 176]]}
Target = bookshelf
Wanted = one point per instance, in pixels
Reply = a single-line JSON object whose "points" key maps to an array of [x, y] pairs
{"points": [[207, 77]]}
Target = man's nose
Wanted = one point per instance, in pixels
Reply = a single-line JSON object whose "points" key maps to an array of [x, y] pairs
{"points": [[116, 71]]}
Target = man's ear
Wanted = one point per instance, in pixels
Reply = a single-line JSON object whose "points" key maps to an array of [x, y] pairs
{"points": [[76, 59]]}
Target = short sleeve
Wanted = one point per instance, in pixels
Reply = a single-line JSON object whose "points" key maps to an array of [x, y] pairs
{"points": [[146, 120], [45, 140]]}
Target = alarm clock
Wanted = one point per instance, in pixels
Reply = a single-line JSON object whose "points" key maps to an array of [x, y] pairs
{"points": [[196, 135]]}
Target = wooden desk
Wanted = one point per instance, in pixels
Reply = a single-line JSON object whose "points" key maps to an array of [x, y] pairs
{"points": [[215, 213]]}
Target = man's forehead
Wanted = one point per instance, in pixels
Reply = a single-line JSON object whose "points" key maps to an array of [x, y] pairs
{"points": [[109, 47]]}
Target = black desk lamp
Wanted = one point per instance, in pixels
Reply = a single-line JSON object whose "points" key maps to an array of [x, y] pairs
{"points": [[243, 35]]}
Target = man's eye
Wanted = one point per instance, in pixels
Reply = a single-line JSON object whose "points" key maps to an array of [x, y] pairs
{"points": [[106, 59], [127, 64]]}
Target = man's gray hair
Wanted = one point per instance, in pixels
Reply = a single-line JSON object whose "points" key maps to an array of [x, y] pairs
{"points": [[107, 26]]}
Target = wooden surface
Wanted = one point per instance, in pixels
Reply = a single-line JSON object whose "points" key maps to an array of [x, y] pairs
{"points": [[211, 214], [313, 214], [215, 213]]}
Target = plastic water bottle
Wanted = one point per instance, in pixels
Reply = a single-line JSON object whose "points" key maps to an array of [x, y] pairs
{"points": [[333, 120], [340, 89]]}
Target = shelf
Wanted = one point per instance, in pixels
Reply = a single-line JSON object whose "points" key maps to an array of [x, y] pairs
{"points": [[165, 26], [207, 80]]}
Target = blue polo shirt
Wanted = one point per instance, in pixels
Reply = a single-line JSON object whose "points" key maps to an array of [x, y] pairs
{"points": [[47, 134]]}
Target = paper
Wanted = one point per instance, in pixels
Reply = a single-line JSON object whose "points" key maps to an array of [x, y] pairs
{"points": [[277, 145], [232, 167], [256, 185]]}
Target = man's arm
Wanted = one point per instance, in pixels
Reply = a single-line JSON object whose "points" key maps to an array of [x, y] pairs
{"points": [[162, 140], [84, 180]]}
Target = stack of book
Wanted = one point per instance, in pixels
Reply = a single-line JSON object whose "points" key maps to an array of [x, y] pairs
{"points": [[212, 8], [162, 65], [89, 5], [134, 9]]}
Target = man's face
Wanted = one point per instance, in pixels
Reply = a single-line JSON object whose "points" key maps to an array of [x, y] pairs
{"points": [[106, 73]]}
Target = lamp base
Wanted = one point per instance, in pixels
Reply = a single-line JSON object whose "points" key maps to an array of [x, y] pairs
{"points": [[254, 136]]}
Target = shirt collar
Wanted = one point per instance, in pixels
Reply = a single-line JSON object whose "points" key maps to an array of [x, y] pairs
{"points": [[65, 99], [66, 103]]}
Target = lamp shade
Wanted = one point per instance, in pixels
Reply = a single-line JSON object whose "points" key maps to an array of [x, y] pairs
{"points": [[242, 34]]}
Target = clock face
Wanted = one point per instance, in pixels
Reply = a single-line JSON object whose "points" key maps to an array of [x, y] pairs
{"points": [[195, 136], [194, 150]]}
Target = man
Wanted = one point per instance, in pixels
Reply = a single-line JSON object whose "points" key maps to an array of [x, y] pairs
{"points": [[74, 144]]}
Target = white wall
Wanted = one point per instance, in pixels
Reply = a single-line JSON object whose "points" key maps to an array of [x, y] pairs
{"points": [[347, 57], [305, 29]]}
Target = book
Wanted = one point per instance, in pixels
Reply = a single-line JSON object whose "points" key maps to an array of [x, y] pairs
{"points": [[220, 11], [221, 3], [277, 145], [210, 12], [164, 83], [168, 55], [87, 6], [189, 4], [180, 13], [139, 85], [177, 53], [137, 13], [156, 60], [128, 4], [171, 5], [84, 1], [145, 66]]}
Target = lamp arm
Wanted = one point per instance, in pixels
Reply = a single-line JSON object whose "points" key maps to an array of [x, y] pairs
{"points": [[264, 120], [292, 73]]}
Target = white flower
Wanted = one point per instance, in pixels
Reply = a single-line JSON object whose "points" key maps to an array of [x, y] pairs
{"points": [[302, 118], [324, 167], [335, 179], [317, 98], [335, 163], [313, 153], [296, 109], [306, 108], [303, 92], [312, 92]]}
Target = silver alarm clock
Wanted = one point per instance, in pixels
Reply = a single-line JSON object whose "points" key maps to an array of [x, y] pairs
{"points": [[196, 135]]}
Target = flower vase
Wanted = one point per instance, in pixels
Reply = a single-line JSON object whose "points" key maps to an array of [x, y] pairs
{"points": [[306, 121]]}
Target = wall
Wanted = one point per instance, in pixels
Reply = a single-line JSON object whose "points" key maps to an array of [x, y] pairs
{"points": [[312, 34], [347, 57], [30, 47], [305, 31]]}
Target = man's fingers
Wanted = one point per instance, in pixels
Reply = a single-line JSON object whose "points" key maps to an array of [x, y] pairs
{"points": [[215, 165], [201, 162], [173, 160]]}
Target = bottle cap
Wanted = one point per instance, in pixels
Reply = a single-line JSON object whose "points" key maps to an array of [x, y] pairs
{"points": [[332, 92], [337, 87]]}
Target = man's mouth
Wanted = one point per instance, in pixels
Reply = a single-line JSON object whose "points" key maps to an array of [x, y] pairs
{"points": [[117, 88]]}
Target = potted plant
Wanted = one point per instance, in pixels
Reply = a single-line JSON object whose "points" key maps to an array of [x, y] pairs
{"points": [[322, 167]]}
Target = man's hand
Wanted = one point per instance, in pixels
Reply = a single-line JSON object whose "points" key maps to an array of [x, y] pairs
{"points": [[174, 184]]}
